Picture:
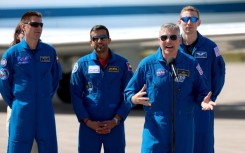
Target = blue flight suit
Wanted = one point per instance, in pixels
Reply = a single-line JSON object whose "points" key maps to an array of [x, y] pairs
{"points": [[190, 88], [28, 82], [97, 93], [209, 57]]}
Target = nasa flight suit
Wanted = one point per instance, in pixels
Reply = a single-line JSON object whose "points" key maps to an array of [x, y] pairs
{"points": [[209, 57], [190, 88], [28, 82], [97, 93]]}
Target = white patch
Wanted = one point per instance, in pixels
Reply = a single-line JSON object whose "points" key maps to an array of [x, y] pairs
{"points": [[3, 62], [94, 69], [4, 74], [75, 68]]}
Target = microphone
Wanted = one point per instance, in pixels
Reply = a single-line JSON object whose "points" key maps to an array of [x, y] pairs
{"points": [[171, 63]]}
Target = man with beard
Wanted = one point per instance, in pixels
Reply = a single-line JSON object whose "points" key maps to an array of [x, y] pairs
{"points": [[97, 85]]}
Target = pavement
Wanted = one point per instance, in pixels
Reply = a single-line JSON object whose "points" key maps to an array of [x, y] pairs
{"points": [[229, 119]]}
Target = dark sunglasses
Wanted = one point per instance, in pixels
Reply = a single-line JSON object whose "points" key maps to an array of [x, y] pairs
{"points": [[101, 37], [165, 37], [186, 19], [35, 24]]}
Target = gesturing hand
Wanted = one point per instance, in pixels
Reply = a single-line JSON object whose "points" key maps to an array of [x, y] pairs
{"points": [[139, 98], [207, 104]]}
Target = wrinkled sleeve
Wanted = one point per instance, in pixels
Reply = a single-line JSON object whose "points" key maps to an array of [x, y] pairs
{"points": [[218, 74], [134, 86], [6, 81], [200, 84], [57, 73], [76, 89], [124, 110]]}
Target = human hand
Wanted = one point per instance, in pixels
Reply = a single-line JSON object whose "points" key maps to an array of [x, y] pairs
{"points": [[99, 127], [207, 104], [139, 98]]}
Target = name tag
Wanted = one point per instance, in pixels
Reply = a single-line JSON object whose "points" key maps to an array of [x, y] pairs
{"points": [[94, 69], [45, 58]]}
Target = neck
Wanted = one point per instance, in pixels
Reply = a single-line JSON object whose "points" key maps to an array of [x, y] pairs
{"points": [[189, 39], [32, 43]]}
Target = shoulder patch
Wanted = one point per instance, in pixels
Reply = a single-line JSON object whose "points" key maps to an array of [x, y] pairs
{"points": [[75, 68], [4, 74], [217, 51], [129, 66], [3, 62]]}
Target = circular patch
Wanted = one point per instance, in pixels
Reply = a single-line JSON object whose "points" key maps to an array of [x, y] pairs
{"points": [[3, 62], [4, 74]]}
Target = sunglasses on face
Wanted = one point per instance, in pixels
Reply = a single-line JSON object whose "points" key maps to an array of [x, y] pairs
{"points": [[35, 24], [101, 37], [186, 19], [165, 37]]}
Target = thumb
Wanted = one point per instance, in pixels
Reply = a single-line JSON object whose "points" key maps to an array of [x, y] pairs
{"points": [[207, 98]]}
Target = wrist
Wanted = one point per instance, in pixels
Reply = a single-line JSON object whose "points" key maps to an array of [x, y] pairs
{"points": [[117, 121]]}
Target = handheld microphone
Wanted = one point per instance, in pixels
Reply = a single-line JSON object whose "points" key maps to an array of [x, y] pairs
{"points": [[171, 63]]}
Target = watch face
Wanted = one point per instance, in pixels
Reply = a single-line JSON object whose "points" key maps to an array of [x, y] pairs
{"points": [[116, 120]]}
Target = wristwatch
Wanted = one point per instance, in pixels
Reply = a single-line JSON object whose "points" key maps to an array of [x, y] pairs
{"points": [[116, 120]]}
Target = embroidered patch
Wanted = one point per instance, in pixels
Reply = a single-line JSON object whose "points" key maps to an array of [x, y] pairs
{"points": [[3, 62], [200, 54], [129, 66], [181, 78], [93, 69], [217, 51], [199, 69], [24, 59], [75, 68], [45, 59], [4, 74], [160, 72], [113, 69], [183, 72]]}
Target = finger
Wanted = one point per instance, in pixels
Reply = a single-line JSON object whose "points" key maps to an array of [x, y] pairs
{"points": [[146, 103], [212, 103], [143, 88]]}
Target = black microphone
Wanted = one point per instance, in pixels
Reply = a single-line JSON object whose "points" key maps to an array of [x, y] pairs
{"points": [[171, 63]]}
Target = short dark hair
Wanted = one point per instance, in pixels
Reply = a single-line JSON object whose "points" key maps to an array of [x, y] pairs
{"points": [[27, 16], [99, 27]]}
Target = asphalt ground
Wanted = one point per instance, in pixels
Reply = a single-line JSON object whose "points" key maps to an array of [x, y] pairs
{"points": [[229, 119]]}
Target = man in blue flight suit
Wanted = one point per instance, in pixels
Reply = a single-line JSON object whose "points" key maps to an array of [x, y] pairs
{"points": [[209, 57], [30, 74], [151, 86], [97, 84]]}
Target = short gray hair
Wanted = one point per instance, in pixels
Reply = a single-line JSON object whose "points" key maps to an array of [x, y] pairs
{"points": [[171, 26]]}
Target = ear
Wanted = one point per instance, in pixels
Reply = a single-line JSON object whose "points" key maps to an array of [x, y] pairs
{"points": [[109, 40], [179, 21], [199, 22]]}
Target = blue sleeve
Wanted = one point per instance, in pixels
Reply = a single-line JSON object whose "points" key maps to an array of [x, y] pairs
{"points": [[124, 109], [6, 81], [135, 85], [200, 85], [57, 73], [76, 88], [217, 74]]}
